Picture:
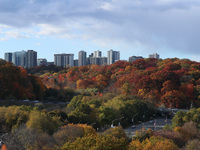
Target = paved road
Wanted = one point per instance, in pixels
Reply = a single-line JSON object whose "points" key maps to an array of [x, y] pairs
{"points": [[160, 123]]}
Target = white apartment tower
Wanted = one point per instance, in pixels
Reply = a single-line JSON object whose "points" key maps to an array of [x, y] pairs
{"points": [[112, 57], [154, 55], [97, 54], [19, 58], [64, 60]]}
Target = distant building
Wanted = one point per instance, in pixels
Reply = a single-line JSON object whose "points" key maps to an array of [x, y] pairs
{"points": [[22, 58], [31, 58], [82, 58], [76, 62], [41, 61], [8, 57], [103, 60], [64, 60], [97, 53], [96, 60], [68, 60], [50, 63], [112, 57], [133, 58], [89, 59], [19, 58], [154, 55]]}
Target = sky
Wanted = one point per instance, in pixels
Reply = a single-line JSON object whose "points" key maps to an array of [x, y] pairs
{"points": [[170, 28]]}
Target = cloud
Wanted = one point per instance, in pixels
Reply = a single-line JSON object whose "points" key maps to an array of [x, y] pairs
{"points": [[155, 24]]}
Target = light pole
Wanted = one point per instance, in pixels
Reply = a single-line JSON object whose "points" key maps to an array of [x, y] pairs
{"points": [[93, 123], [144, 115], [112, 123], [3, 135], [1, 141], [154, 122], [165, 119], [120, 119], [133, 118]]}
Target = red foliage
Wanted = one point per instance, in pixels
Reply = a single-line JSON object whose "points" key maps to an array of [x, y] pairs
{"points": [[169, 81]]}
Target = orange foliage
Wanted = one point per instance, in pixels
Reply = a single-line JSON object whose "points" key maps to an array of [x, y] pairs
{"points": [[169, 81]]}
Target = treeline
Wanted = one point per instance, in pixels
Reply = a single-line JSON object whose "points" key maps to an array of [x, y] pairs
{"points": [[17, 84], [30, 128], [172, 82], [102, 111], [99, 111]]}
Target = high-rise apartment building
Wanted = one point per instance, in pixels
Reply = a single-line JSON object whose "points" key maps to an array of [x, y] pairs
{"points": [[58, 60], [97, 54], [154, 55], [76, 62], [82, 58], [31, 58], [8, 57], [22, 58], [112, 56], [64, 60], [103, 60], [133, 58], [89, 59], [41, 61], [19, 58], [68, 60]]}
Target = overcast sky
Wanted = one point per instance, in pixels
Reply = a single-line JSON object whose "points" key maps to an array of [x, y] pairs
{"points": [[170, 28]]}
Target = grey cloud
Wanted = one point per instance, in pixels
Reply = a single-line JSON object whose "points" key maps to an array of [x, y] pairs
{"points": [[154, 23]]}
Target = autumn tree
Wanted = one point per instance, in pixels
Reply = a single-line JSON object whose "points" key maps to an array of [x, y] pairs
{"points": [[42, 122]]}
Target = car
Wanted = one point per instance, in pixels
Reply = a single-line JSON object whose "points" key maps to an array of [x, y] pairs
{"points": [[133, 127], [36, 101], [26, 100], [151, 121]]}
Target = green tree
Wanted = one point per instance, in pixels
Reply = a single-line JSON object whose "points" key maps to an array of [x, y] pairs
{"points": [[42, 122], [106, 115], [178, 119], [15, 117]]}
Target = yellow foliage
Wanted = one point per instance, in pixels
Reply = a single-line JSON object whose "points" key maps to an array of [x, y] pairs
{"points": [[154, 143], [178, 129], [135, 145]]}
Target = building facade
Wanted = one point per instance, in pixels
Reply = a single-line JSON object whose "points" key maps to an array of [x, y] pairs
{"points": [[41, 61], [19, 58], [154, 55], [82, 58], [76, 62], [8, 57], [133, 58], [64, 60], [31, 58], [112, 57], [103, 60], [97, 54], [68, 60]]}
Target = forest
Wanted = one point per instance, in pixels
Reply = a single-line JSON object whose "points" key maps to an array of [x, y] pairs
{"points": [[174, 83], [31, 128], [97, 95]]}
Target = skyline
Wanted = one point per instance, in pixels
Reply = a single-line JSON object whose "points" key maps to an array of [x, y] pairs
{"points": [[169, 28]]}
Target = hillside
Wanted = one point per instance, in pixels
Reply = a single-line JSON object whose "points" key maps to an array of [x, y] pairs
{"points": [[172, 82], [16, 83]]}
